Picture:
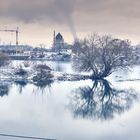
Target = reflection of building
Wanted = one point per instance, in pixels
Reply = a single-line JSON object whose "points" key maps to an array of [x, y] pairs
{"points": [[58, 43]]}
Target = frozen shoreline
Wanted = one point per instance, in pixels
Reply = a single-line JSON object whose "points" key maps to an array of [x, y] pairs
{"points": [[8, 76]]}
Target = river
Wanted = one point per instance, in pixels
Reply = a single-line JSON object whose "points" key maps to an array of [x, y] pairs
{"points": [[79, 110]]}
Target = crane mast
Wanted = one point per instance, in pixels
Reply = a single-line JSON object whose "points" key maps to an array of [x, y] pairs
{"points": [[16, 31]]}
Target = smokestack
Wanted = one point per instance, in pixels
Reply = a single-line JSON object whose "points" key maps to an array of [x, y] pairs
{"points": [[54, 39]]}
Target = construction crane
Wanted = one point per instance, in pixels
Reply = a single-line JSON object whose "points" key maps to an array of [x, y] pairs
{"points": [[14, 30]]}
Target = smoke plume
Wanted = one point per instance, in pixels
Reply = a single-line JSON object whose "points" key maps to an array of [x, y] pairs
{"points": [[28, 11]]}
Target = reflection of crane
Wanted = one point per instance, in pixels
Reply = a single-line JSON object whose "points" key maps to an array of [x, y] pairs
{"points": [[14, 30]]}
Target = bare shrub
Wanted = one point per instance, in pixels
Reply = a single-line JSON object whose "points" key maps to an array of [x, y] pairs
{"points": [[43, 74]]}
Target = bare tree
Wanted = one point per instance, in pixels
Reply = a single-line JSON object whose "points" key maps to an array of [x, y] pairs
{"points": [[102, 55]]}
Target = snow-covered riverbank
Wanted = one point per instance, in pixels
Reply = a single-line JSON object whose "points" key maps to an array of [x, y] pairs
{"points": [[27, 74]]}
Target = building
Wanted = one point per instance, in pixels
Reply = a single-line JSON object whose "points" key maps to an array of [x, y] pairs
{"points": [[58, 42], [13, 49]]}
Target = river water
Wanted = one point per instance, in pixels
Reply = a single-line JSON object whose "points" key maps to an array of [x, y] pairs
{"points": [[80, 110]]}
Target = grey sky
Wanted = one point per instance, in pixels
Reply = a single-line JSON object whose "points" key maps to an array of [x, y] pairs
{"points": [[117, 17]]}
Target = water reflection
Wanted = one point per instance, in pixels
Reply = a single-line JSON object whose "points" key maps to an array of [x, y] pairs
{"points": [[4, 89], [101, 101], [38, 86], [43, 86], [59, 67], [21, 85]]}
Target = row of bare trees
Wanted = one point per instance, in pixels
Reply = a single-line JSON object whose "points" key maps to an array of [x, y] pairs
{"points": [[102, 55]]}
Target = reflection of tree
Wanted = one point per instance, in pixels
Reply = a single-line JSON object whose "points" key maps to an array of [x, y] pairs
{"points": [[4, 89], [101, 101], [21, 84], [42, 86]]}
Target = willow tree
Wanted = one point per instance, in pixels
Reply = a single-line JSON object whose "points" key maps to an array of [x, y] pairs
{"points": [[102, 55]]}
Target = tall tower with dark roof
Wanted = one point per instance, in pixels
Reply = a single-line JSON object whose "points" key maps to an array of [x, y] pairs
{"points": [[58, 42]]}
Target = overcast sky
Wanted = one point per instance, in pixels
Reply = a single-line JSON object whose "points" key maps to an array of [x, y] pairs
{"points": [[37, 19]]}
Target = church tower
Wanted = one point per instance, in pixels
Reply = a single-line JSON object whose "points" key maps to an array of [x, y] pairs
{"points": [[58, 42]]}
